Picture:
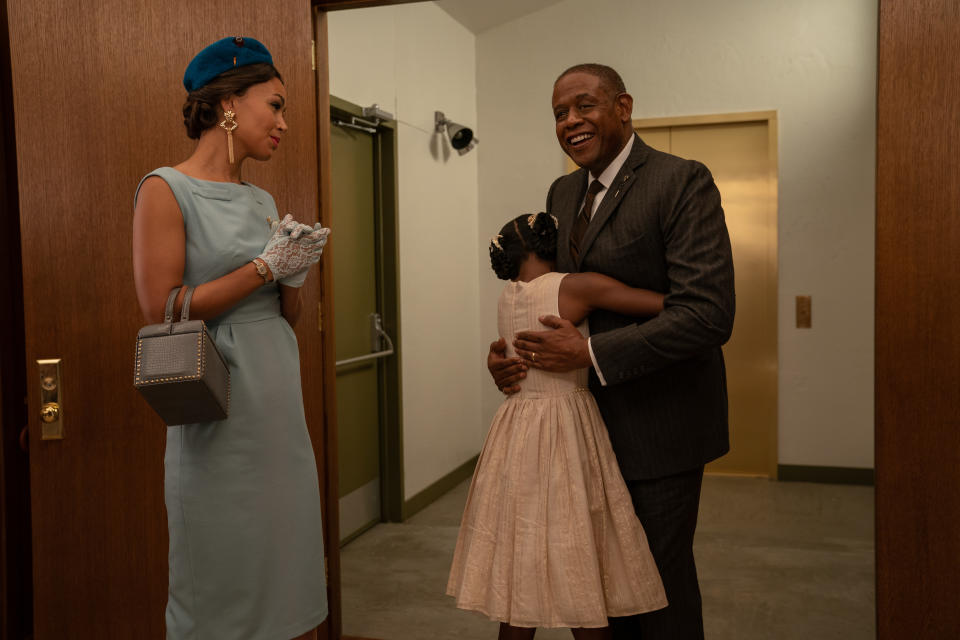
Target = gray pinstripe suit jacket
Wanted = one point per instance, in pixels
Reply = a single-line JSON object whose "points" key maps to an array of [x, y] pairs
{"points": [[660, 226]]}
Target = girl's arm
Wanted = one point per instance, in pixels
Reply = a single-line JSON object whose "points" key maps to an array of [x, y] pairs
{"points": [[581, 293], [159, 250]]}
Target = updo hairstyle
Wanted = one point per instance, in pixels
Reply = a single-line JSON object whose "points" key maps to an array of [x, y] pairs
{"points": [[202, 108], [530, 233]]}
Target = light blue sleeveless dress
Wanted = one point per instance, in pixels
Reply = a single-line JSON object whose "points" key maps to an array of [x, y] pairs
{"points": [[242, 494]]}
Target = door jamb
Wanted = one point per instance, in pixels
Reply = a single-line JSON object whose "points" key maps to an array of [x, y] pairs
{"points": [[326, 327], [332, 529], [16, 566]]}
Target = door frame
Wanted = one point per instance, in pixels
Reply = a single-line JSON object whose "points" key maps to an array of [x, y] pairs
{"points": [[16, 566], [322, 67], [387, 225]]}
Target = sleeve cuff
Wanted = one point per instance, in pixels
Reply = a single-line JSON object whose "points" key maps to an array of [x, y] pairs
{"points": [[593, 359]]}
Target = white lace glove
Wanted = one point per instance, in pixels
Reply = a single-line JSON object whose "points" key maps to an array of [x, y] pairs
{"points": [[297, 279], [296, 229], [290, 250]]}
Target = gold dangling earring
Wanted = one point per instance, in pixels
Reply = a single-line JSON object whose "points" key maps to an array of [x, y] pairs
{"points": [[228, 124]]}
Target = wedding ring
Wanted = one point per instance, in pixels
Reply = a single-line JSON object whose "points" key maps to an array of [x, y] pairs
{"points": [[533, 356]]}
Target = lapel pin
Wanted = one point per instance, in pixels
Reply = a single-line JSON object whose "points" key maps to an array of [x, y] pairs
{"points": [[622, 182]]}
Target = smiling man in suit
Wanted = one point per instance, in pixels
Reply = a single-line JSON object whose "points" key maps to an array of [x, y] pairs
{"points": [[651, 220]]}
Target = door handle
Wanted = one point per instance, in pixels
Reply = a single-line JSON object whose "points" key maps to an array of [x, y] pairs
{"points": [[376, 334], [51, 399], [50, 412]]}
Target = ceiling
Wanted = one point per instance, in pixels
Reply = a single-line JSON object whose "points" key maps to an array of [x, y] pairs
{"points": [[481, 15]]}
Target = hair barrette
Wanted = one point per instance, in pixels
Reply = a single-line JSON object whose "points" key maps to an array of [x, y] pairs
{"points": [[495, 241]]}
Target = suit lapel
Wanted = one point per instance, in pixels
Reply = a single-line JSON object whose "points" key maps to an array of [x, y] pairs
{"points": [[622, 183]]}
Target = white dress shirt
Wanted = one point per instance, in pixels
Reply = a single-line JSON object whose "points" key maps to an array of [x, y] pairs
{"points": [[606, 179]]}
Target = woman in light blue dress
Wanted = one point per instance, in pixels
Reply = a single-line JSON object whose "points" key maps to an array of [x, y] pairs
{"points": [[242, 494]]}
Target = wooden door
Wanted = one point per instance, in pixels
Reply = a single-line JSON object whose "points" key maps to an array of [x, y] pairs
{"points": [[740, 151], [97, 95], [917, 327]]}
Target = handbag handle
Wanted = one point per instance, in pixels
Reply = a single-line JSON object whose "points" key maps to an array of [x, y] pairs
{"points": [[185, 311], [168, 309]]}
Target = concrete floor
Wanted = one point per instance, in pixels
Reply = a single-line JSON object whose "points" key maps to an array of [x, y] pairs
{"points": [[777, 561]]}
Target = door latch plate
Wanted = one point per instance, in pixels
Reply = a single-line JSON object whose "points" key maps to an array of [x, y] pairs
{"points": [[51, 399]]}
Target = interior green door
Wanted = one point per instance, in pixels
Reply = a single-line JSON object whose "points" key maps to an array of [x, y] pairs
{"points": [[355, 286]]}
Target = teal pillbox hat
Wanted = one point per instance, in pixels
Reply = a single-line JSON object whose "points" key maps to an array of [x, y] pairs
{"points": [[223, 55]]}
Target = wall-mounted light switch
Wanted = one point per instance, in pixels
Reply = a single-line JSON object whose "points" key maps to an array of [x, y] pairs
{"points": [[804, 317]]}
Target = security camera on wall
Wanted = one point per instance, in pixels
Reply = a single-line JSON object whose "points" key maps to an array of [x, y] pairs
{"points": [[461, 137]]}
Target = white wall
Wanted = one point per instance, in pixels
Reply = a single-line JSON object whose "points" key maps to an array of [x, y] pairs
{"points": [[413, 60], [815, 63]]}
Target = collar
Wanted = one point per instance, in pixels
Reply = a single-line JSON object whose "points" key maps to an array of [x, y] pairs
{"points": [[606, 178]]}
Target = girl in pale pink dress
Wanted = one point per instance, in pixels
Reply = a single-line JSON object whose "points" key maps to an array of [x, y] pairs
{"points": [[549, 537]]}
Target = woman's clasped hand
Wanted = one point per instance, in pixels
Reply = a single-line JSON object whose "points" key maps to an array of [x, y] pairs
{"points": [[292, 249]]}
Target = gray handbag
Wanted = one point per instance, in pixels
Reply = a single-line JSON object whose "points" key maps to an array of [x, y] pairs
{"points": [[179, 369]]}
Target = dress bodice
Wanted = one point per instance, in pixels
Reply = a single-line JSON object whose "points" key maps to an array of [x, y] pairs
{"points": [[520, 308], [226, 226]]}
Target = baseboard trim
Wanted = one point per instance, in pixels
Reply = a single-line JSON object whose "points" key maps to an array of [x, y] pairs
{"points": [[828, 475], [443, 485]]}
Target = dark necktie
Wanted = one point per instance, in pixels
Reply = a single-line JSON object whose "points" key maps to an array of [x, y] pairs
{"points": [[580, 224]]}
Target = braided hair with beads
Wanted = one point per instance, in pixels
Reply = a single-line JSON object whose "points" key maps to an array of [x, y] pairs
{"points": [[528, 233]]}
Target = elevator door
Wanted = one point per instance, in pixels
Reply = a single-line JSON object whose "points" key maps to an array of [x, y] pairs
{"points": [[741, 156]]}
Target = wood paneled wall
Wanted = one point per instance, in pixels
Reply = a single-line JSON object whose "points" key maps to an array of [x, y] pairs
{"points": [[918, 320]]}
